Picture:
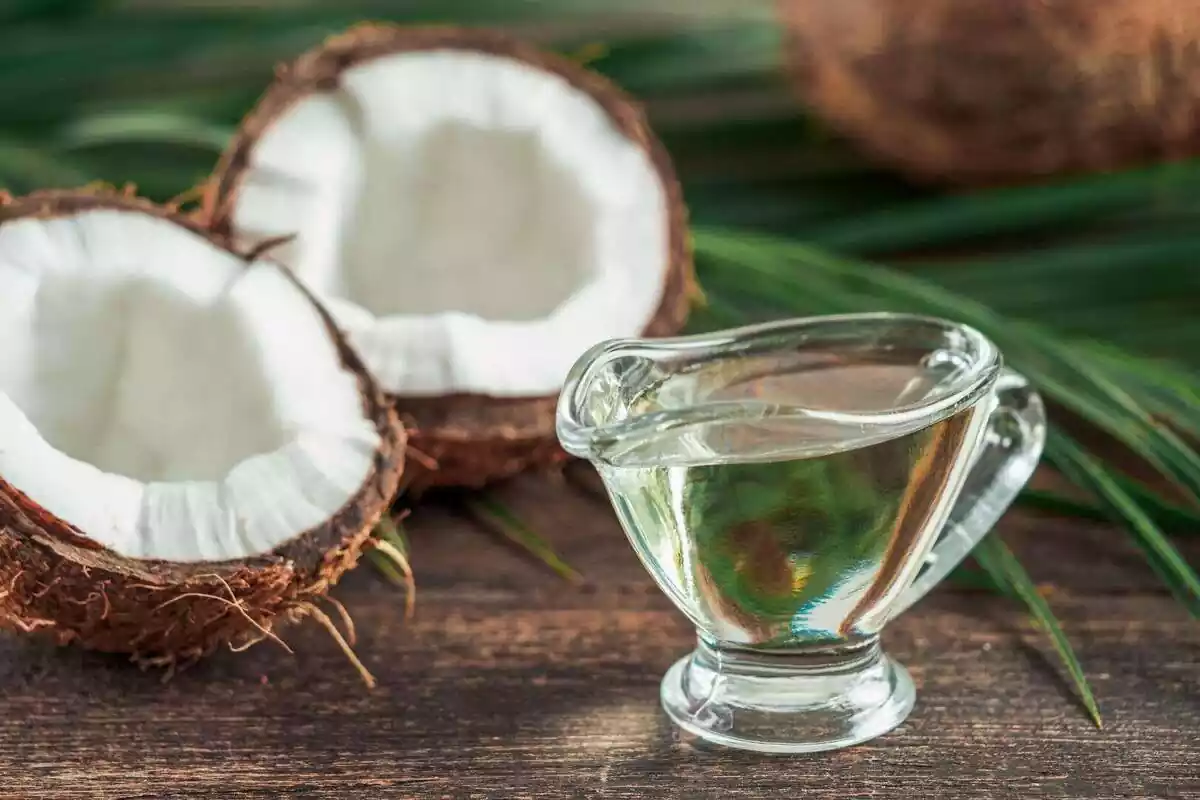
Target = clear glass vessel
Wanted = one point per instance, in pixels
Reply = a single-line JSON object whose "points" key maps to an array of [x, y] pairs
{"points": [[793, 486]]}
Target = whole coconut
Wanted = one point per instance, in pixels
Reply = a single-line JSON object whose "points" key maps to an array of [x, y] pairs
{"points": [[983, 91]]}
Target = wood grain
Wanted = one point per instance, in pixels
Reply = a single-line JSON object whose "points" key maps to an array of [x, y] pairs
{"points": [[510, 683]]}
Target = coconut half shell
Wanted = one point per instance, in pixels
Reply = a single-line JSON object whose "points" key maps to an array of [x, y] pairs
{"points": [[106, 541], [996, 92], [476, 213]]}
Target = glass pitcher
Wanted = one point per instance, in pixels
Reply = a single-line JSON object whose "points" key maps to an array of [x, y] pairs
{"points": [[791, 487]]}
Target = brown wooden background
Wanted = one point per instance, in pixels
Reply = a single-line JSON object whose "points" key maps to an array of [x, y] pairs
{"points": [[511, 683]]}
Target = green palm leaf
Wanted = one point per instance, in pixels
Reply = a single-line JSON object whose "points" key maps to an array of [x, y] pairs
{"points": [[1009, 576], [1121, 505]]}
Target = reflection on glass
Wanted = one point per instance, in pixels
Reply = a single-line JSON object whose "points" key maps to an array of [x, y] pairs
{"points": [[801, 547]]}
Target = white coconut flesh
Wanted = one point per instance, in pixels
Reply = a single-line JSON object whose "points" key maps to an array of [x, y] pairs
{"points": [[474, 222], [163, 397]]}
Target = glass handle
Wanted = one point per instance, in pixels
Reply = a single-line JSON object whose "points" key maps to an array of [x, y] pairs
{"points": [[1016, 432]]}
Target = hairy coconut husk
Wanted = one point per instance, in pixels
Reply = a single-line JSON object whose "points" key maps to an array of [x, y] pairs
{"points": [[992, 92], [467, 440], [58, 582]]}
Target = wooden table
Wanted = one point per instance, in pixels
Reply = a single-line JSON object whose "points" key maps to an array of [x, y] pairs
{"points": [[511, 683]]}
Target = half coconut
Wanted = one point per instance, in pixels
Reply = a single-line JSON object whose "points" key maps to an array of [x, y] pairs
{"points": [[190, 453], [476, 213]]}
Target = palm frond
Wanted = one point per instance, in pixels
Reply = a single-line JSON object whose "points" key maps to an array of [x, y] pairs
{"points": [[495, 514], [1007, 573]]}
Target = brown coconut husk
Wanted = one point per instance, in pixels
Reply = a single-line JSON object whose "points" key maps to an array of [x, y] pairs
{"points": [[996, 92], [466, 440], [57, 582]]}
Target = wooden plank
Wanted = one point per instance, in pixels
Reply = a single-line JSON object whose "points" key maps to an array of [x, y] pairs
{"points": [[510, 683], [482, 697]]}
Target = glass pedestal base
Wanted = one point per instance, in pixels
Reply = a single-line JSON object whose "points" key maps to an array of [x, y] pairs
{"points": [[795, 702]]}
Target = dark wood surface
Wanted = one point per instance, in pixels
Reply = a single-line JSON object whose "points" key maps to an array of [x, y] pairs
{"points": [[511, 683]]}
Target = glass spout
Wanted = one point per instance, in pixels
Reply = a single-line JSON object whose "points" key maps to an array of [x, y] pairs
{"points": [[786, 389]]}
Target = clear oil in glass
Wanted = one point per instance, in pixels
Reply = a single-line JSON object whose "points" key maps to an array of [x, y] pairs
{"points": [[775, 528]]}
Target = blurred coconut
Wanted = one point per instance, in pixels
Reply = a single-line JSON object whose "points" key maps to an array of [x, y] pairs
{"points": [[979, 91]]}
